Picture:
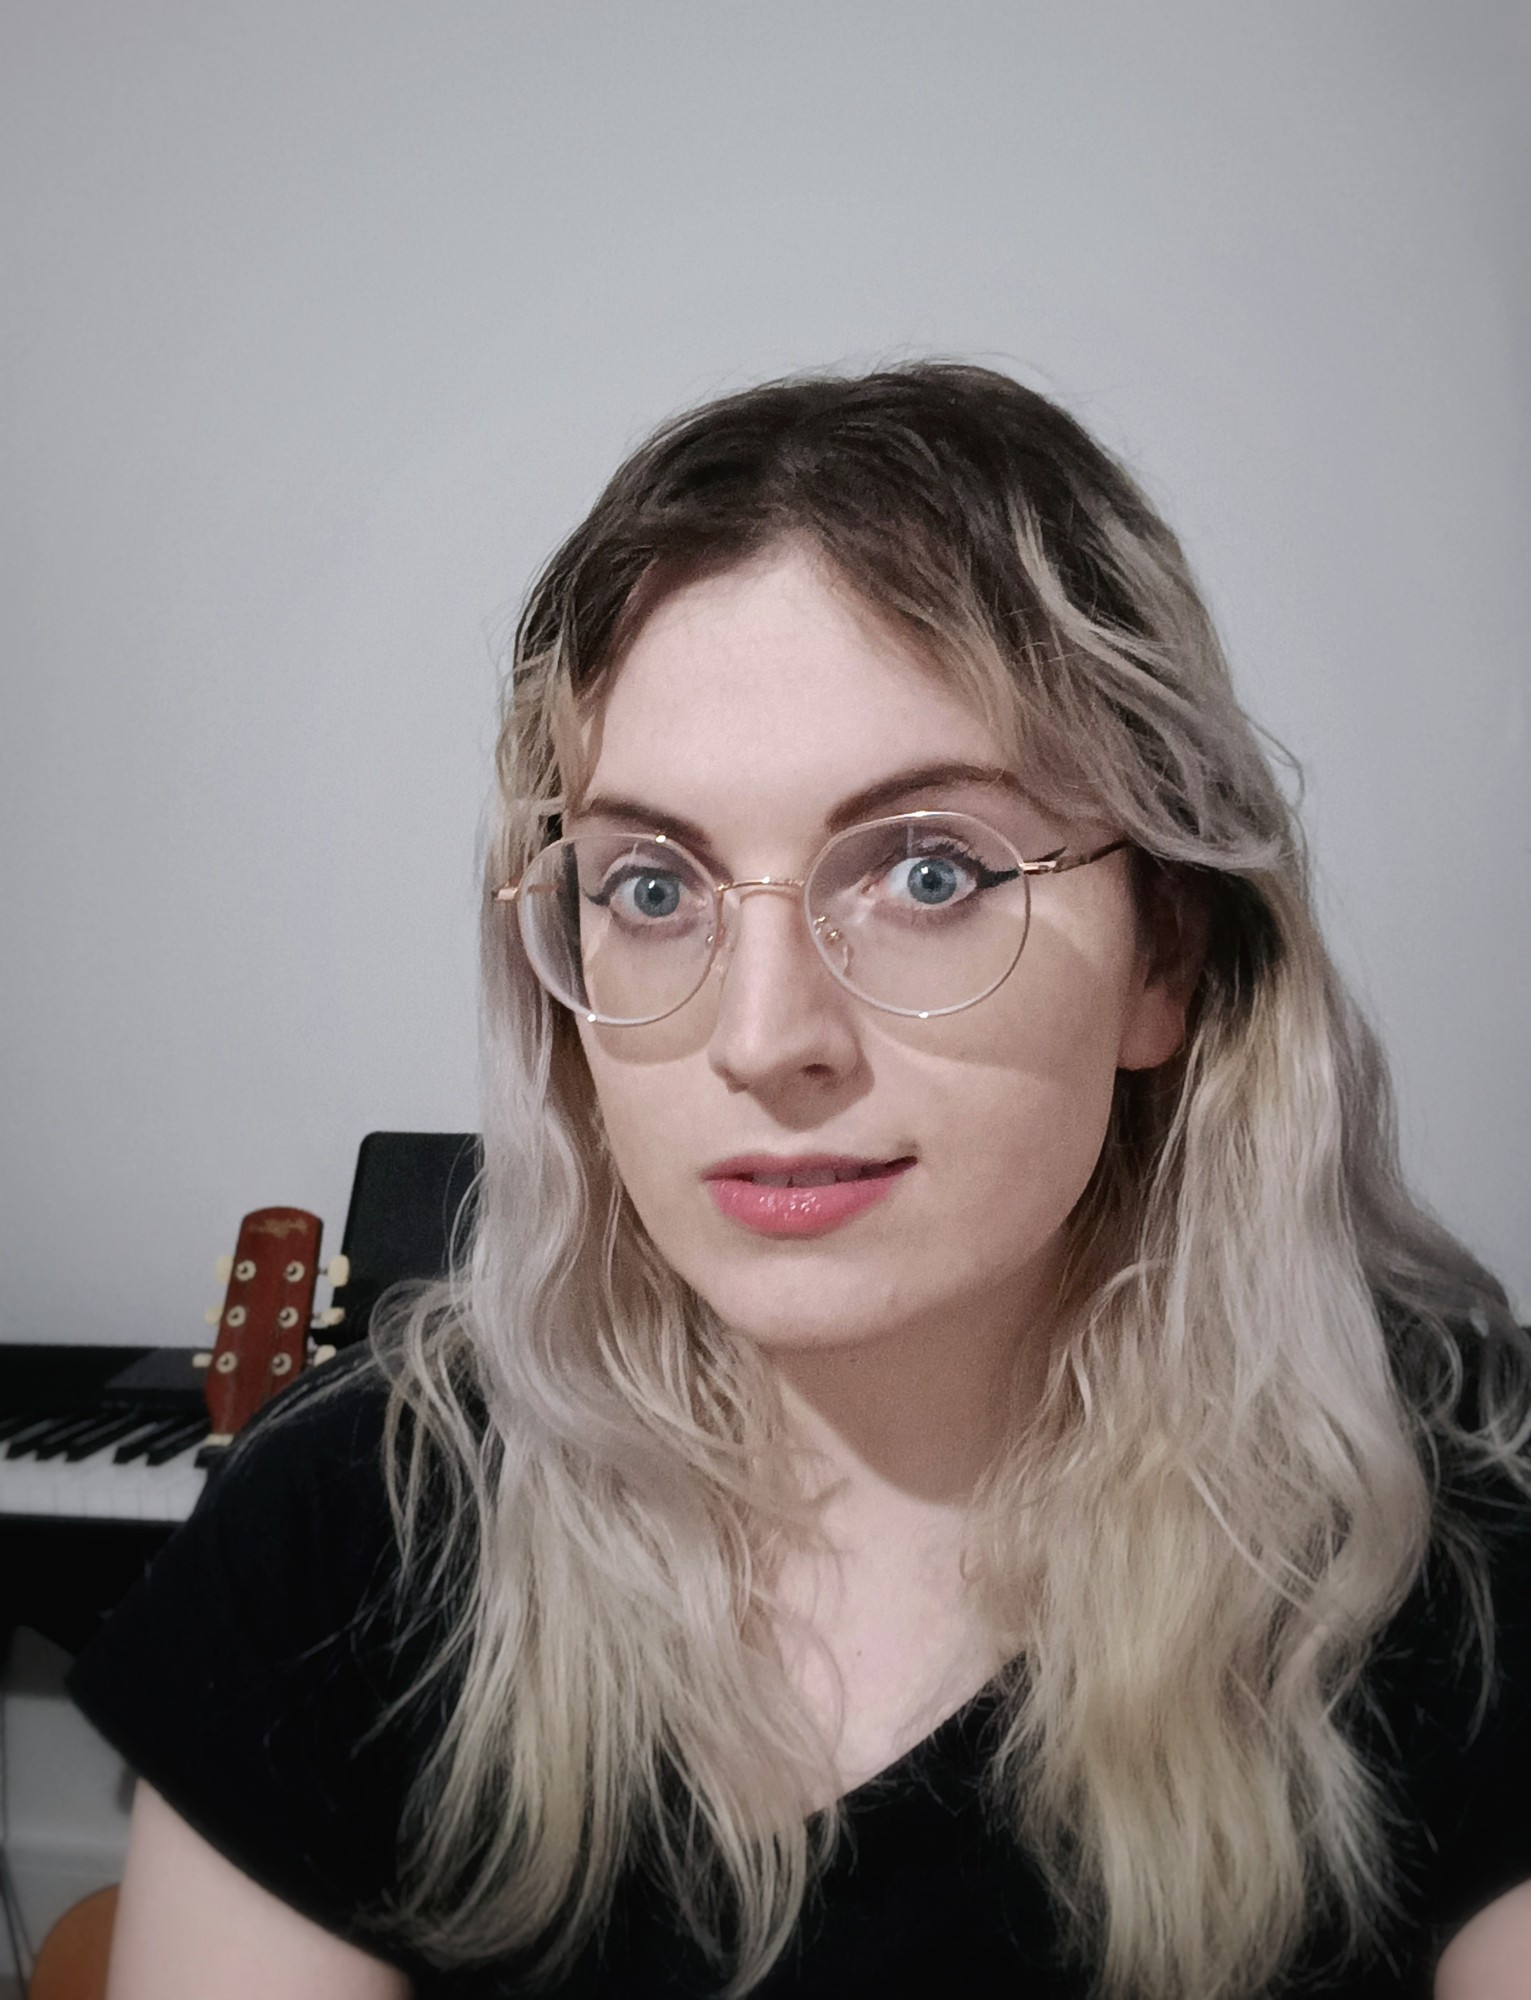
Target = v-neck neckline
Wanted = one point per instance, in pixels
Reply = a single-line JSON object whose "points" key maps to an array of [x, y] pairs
{"points": [[939, 1740]]}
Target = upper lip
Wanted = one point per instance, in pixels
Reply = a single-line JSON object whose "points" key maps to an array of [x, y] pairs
{"points": [[744, 1164]]}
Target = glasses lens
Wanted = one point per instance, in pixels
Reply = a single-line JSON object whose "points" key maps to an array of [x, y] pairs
{"points": [[618, 926], [921, 914]]}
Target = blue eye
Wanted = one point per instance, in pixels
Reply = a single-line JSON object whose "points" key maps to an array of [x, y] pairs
{"points": [[651, 894], [933, 879], [642, 899], [654, 895]]}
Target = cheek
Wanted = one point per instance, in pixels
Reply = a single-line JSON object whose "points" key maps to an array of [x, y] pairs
{"points": [[1030, 1080], [1007, 1105], [659, 1136], [1019, 1146], [643, 1109]]}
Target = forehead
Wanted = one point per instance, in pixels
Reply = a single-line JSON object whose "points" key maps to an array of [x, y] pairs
{"points": [[772, 688]]}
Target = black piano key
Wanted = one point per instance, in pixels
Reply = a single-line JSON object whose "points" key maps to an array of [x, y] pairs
{"points": [[33, 1427], [54, 1443], [190, 1434], [157, 1434], [51, 1430], [112, 1429], [147, 1431], [55, 1446], [18, 1420], [83, 1438]]}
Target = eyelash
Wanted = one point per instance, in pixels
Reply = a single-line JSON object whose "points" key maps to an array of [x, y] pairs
{"points": [[604, 895], [983, 878]]}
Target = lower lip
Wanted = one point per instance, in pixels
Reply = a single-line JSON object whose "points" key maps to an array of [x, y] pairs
{"points": [[802, 1211]]}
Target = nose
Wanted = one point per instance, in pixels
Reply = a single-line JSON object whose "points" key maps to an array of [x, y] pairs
{"points": [[781, 1016]]}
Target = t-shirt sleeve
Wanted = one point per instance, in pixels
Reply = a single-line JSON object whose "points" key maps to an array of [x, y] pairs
{"points": [[245, 1676], [1464, 1760]]}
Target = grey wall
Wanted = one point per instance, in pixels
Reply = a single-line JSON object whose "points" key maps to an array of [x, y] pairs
{"points": [[323, 321]]}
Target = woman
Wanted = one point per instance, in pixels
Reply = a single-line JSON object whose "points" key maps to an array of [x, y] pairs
{"points": [[953, 1465]]}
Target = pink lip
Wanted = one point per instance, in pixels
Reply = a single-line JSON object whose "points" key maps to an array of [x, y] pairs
{"points": [[800, 1211]]}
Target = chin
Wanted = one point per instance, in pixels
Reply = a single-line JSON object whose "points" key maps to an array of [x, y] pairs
{"points": [[809, 1307]]}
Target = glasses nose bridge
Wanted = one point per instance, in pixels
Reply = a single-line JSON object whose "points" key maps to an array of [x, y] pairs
{"points": [[765, 885]]}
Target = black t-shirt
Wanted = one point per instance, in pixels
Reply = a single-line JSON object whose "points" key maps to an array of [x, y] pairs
{"points": [[243, 1679]]}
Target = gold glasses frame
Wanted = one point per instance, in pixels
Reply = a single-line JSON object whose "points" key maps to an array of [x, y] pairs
{"points": [[1058, 862]]}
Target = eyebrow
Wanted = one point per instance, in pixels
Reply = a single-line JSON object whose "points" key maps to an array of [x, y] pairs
{"points": [[885, 795]]}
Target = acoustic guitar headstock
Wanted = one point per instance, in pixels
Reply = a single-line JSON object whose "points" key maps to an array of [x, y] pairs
{"points": [[263, 1326]]}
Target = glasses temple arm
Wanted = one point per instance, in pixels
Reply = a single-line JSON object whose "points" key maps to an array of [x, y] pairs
{"points": [[1062, 861]]}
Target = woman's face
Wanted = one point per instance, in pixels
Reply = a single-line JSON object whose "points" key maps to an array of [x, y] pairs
{"points": [[751, 708]]}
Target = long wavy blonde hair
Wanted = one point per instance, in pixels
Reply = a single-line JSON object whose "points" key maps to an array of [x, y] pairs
{"points": [[1237, 1465]]}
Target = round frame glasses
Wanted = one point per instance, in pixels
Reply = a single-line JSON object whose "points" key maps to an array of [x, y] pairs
{"points": [[918, 914]]}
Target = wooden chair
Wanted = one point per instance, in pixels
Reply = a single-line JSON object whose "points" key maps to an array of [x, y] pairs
{"points": [[72, 1962]]}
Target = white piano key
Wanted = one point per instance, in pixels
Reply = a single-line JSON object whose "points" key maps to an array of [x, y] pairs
{"points": [[97, 1488]]}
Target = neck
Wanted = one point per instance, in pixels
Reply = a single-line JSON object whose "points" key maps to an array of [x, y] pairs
{"points": [[879, 1629], [897, 1431]]}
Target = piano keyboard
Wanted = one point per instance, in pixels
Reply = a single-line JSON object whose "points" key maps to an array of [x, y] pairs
{"points": [[136, 1472], [100, 1434]]}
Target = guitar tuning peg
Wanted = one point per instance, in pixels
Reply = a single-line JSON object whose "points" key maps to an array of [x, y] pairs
{"points": [[338, 1270], [223, 1269], [323, 1353], [331, 1316], [202, 1359], [212, 1316]]}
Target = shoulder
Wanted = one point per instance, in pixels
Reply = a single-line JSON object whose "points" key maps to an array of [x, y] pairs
{"points": [[299, 1510], [329, 1424], [258, 1677], [287, 1566]]}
